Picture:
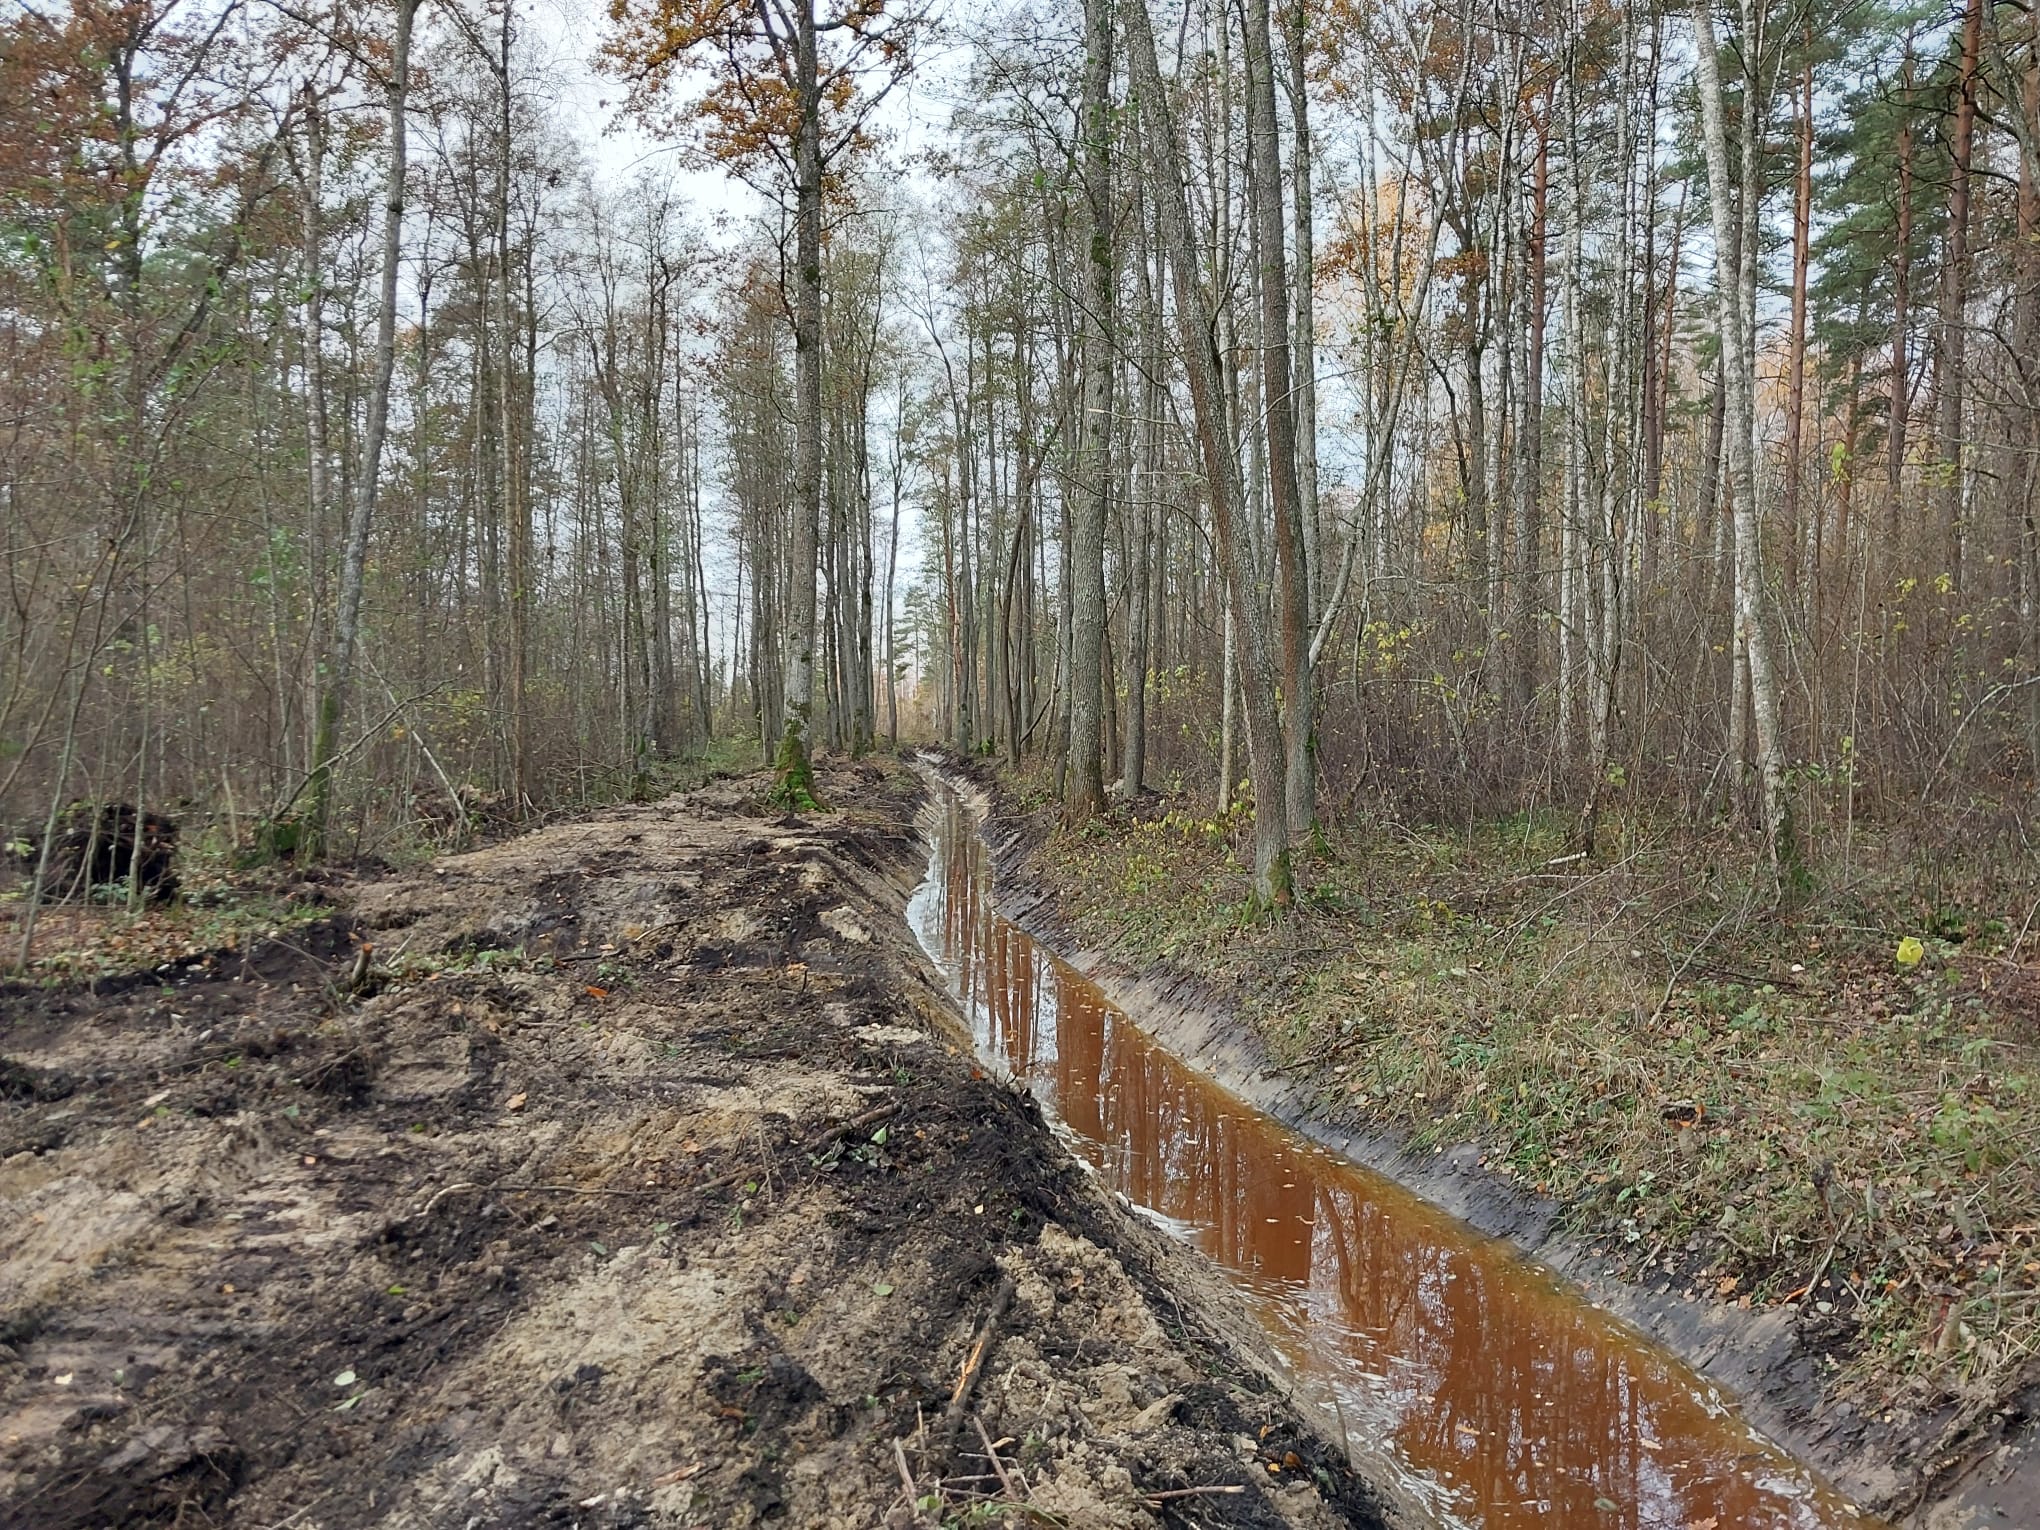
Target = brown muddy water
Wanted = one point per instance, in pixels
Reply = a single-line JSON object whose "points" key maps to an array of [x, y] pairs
{"points": [[1502, 1398]]}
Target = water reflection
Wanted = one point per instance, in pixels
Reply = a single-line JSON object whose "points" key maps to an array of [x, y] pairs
{"points": [[1511, 1402]]}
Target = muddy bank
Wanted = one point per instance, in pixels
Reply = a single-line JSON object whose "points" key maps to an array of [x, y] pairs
{"points": [[1776, 1361], [641, 1181]]}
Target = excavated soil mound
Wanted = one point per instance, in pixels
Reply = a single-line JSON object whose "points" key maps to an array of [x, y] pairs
{"points": [[636, 1177]]}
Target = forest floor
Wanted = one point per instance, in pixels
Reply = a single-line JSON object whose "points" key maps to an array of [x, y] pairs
{"points": [[1719, 1105], [642, 1179]]}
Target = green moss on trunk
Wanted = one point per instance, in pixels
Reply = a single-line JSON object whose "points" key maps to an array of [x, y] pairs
{"points": [[793, 776]]}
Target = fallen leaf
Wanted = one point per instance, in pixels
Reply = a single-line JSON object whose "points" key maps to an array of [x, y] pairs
{"points": [[597, 993], [345, 1379], [516, 1101], [1711, 1522], [882, 1289]]}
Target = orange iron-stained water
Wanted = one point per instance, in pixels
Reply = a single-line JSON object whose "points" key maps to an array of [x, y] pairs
{"points": [[1503, 1399]]}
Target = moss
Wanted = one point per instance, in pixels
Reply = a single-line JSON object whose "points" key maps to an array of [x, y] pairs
{"points": [[793, 776]]}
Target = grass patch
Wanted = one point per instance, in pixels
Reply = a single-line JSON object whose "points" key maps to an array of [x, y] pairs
{"points": [[1728, 1101]]}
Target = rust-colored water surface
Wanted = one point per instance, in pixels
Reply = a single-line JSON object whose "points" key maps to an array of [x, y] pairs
{"points": [[1508, 1401]]}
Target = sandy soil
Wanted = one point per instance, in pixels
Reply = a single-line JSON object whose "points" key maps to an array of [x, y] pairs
{"points": [[642, 1183]]}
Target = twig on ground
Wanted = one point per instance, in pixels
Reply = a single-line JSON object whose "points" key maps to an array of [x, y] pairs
{"points": [[973, 1366], [765, 1152], [302, 1510], [1222, 1490], [899, 1451], [1825, 1260], [582, 1189], [854, 1124], [992, 1454]]}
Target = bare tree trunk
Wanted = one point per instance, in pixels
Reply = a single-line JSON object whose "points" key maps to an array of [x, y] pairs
{"points": [[2026, 347], [1901, 291], [317, 445], [1572, 560], [1795, 354], [897, 474], [1303, 216], [354, 558], [796, 721], [1084, 784], [516, 503], [1228, 711], [1196, 322], [1951, 364], [1530, 435], [1144, 567], [1735, 304], [1278, 408]]}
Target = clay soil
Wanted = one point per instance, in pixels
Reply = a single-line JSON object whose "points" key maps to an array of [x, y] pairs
{"points": [[636, 1176]]}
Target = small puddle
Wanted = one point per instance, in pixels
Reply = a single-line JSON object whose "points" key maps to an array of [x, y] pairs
{"points": [[1504, 1399]]}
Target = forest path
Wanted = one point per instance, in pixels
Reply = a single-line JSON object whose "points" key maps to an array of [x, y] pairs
{"points": [[651, 1185]]}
